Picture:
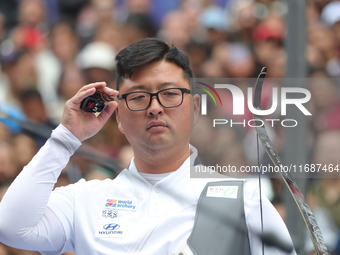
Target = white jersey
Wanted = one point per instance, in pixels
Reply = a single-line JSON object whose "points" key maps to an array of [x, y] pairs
{"points": [[126, 215]]}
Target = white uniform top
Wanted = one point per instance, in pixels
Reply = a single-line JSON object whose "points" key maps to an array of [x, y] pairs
{"points": [[126, 215]]}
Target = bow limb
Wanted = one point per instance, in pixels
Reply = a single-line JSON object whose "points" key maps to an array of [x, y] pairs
{"points": [[301, 203]]}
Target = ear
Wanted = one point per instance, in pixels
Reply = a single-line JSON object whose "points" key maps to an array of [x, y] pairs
{"points": [[196, 107], [121, 129]]}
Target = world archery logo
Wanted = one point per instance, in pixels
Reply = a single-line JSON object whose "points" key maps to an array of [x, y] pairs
{"points": [[204, 97], [121, 204]]}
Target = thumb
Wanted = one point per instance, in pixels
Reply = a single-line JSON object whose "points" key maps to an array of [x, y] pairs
{"points": [[108, 111]]}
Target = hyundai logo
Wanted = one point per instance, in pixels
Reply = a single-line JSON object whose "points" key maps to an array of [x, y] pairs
{"points": [[111, 226]]}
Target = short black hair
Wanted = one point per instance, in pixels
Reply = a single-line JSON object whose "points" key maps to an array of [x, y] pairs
{"points": [[147, 51]]}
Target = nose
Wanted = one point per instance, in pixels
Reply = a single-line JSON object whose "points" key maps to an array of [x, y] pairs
{"points": [[155, 107]]}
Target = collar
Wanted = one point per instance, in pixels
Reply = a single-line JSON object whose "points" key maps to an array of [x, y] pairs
{"points": [[190, 161]]}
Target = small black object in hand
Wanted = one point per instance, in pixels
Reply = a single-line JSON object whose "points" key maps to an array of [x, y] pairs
{"points": [[95, 102]]}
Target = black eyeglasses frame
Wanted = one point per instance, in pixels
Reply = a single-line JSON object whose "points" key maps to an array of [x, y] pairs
{"points": [[152, 95]]}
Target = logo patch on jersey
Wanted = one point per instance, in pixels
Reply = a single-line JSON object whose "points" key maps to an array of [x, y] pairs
{"points": [[222, 191], [119, 204], [111, 229], [109, 213]]}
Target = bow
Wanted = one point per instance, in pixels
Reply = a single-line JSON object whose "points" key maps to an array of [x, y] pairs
{"points": [[306, 212]]}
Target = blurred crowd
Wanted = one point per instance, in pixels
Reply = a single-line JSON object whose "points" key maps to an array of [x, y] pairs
{"points": [[51, 48]]}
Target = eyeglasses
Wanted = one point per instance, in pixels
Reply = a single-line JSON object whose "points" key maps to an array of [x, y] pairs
{"points": [[141, 100]]}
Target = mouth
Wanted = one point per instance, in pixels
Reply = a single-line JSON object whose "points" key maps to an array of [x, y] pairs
{"points": [[156, 125]]}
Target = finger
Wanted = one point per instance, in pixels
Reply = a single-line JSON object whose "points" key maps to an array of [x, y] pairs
{"points": [[101, 86], [87, 90], [108, 111], [98, 85], [82, 94], [110, 92]]}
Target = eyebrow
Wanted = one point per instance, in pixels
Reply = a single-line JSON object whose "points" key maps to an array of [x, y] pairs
{"points": [[159, 86]]}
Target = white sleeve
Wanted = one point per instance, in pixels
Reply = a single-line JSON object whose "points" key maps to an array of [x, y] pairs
{"points": [[25, 220], [272, 224]]}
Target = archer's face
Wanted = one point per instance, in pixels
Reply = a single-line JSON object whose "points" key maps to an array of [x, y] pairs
{"points": [[157, 128]]}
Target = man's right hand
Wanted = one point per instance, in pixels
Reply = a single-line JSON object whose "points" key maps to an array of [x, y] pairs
{"points": [[84, 124]]}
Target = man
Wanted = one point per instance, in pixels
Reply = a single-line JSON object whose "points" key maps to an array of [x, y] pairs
{"points": [[150, 207]]}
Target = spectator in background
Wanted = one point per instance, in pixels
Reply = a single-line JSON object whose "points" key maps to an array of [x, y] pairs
{"points": [[316, 61], [197, 53], [268, 39], [34, 107], [93, 15], [4, 132], [128, 7], [70, 9], [324, 195], [324, 103], [64, 42], [138, 26], [8, 164], [216, 22], [113, 34], [239, 61], [14, 63], [174, 29], [32, 28], [331, 16], [244, 20], [25, 147], [35, 111], [322, 37], [25, 51], [62, 65], [71, 80], [213, 66], [192, 10], [97, 60]]}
